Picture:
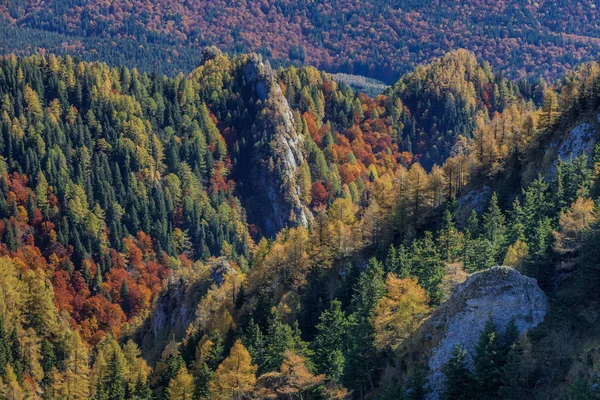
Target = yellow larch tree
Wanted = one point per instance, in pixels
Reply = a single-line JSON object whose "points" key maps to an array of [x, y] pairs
{"points": [[399, 312], [236, 376], [182, 386]]}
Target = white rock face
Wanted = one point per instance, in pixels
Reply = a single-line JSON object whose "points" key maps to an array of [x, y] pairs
{"points": [[281, 189], [581, 140], [474, 200], [501, 293]]}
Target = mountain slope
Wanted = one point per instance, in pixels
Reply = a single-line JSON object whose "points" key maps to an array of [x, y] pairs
{"points": [[147, 219]]}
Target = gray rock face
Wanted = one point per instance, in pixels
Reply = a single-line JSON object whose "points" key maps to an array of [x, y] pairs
{"points": [[474, 200], [278, 188], [176, 306], [501, 293]]}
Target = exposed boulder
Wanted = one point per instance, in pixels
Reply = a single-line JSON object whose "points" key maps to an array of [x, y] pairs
{"points": [[500, 293]]}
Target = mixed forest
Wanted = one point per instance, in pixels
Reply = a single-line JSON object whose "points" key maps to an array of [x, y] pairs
{"points": [[245, 232]]}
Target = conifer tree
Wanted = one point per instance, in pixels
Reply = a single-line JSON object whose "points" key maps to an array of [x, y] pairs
{"points": [[488, 362], [10, 389], [329, 341], [281, 337], [494, 229], [449, 238], [115, 382], [511, 388], [361, 355], [459, 380]]}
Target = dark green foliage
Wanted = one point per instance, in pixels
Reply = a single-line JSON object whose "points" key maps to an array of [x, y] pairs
{"points": [[417, 389], [362, 364], [5, 352], [494, 230], [460, 382], [511, 375], [488, 361], [142, 391], [279, 338], [329, 341], [115, 382], [500, 367], [449, 240]]}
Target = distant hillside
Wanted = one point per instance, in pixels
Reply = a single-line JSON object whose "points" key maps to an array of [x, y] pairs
{"points": [[375, 38]]}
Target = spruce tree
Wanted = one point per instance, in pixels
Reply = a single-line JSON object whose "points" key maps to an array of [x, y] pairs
{"points": [[488, 362], [329, 342], [115, 382], [459, 380], [511, 388], [362, 362], [494, 229], [449, 238]]}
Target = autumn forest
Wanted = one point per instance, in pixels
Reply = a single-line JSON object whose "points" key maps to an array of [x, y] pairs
{"points": [[238, 224]]}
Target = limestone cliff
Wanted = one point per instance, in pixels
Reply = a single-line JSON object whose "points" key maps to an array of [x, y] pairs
{"points": [[277, 201], [501, 293]]}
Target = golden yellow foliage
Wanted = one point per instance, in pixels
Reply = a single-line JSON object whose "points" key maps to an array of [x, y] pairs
{"points": [[516, 254], [574, 224], [236, 376], [182, 386], [400, 312], [291, 381]]}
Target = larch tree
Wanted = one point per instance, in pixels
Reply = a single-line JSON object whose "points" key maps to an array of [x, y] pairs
{"points": [[182, 386], [399, 312], [236, 376], [9, 386]]}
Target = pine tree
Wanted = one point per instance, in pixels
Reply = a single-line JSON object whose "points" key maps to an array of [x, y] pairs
{"points": [[115, 383], [449, 238], [488, 362], [255, 342], [430, 269], [559, 187], [361, 356], [494, 229], [125, 299], [399, 261], [142, 390], [511, 388], [281, 337]]}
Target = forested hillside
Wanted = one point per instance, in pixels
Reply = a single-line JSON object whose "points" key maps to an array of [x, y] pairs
{"points": [[243, 232], [375, 38]]}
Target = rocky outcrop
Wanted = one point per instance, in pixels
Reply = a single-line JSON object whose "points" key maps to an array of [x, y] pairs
{"points": [[277, 198], [473, 200], [176, 305], [580, 141], [500, 293]]}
